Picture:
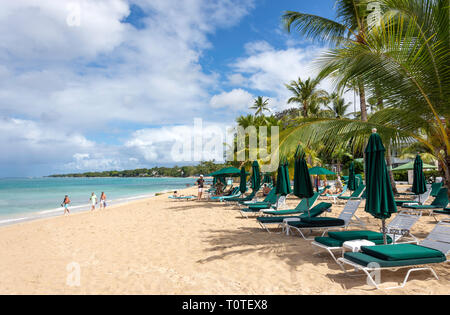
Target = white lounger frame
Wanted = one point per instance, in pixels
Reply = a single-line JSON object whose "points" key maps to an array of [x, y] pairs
{"points": [[347, 215], [403, 222], [438, 239], [280, 225], [281, 201]]}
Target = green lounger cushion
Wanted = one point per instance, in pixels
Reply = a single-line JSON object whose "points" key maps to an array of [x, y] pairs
{"points": [[332, 242], [402, 202], [314, 212], [435, 188], [445, 211], [317, 222], [401, 252], [365, 260], [283, 212], [441, 201], [357, 235], [260, 206], [328, 241], [250, 210], [424, 207]]}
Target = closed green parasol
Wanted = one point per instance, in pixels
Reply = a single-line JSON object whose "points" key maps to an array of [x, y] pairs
{"points": [[419, 185], [302, 180], [243, 179], [267, 179], [256, 176], [379, 196], [283, 186], [351, 177]]}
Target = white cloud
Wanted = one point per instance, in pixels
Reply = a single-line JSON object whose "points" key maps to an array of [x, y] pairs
{"points": [[237, 99], [267, 70], [70, 81]]}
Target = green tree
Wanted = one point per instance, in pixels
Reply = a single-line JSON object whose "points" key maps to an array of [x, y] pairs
{"points": [[307, 95], [261, 105], [350, 26], [407, 56]]}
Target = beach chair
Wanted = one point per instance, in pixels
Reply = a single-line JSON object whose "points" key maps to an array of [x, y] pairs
{"points": [[183, 198], [268, 201], [301, 207], [250, 197], [435, 188], [234, 193], [325, 224], [432, 250], [399, 229], [334, 197], [445, 211], [356, 194], [317, 210], [439, 202], [420, 199], [257, 207]]}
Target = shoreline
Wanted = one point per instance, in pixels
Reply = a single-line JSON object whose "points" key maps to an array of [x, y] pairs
{"points": [[79, 209]]}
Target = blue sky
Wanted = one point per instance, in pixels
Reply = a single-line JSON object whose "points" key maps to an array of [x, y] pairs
{"points": [[99, 85]]}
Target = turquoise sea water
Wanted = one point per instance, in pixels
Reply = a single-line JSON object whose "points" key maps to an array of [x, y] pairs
{"points": [[27, 198]]}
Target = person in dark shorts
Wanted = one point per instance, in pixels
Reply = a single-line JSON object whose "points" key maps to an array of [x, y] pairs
{"points": [[200, 182]]}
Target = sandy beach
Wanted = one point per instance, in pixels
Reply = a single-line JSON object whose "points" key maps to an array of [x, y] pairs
{"points": [[162, 246]]}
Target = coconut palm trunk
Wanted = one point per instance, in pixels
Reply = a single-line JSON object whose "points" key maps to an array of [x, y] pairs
{"points": [[362, 101], [389, 167]]}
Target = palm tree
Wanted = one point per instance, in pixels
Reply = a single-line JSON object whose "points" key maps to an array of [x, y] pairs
{"points": [[407, 56], [260, 105], [350, 26], [307, 95], [338, 107]]}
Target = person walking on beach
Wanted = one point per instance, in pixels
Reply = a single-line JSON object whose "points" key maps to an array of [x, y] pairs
{"points": [[103, 200], [65, 204], [93, 201], [200, 182]]}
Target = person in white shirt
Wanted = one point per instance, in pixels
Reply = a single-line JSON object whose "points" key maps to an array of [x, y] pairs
{"points": [[93, 201]]}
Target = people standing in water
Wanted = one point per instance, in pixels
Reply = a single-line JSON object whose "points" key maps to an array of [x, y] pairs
{"points": [[93, 201], [103, 200], [65, 204], [200, 182]]}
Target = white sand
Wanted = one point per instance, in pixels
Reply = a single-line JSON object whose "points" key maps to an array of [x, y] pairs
{"points": [[161, 246]]}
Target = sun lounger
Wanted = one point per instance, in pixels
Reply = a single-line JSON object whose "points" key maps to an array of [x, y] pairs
{"points": [[270, 199], [301, 207], [247, 198], [325, 224], [439, 202], [435, 188], [182, 197], [399, 229], [356, 194], [420, 199], [256, 208], [278, 220], [444, 211], [234, 193], [334, 197], [432, 250]]}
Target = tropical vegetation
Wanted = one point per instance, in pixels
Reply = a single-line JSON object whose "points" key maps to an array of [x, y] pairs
{"points": [[395, 54]]}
